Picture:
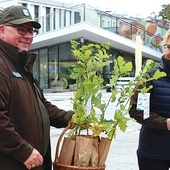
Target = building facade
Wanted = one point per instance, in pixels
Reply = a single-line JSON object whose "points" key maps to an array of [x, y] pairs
{"points": [[63, 22]]}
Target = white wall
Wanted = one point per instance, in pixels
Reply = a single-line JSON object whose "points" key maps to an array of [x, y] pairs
{"points": [[5, 4]]}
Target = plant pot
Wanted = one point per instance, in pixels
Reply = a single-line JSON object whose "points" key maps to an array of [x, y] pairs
{"points": [[73, 87], [57, 88]]}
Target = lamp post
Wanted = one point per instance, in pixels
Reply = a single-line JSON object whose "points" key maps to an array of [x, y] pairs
{"points": [[138, 55]]}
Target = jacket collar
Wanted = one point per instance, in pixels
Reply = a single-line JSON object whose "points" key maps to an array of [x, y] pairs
{"points": [[166, 65], [24, 59]]}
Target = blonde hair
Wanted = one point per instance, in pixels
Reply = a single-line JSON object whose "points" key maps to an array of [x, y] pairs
{"points": [[166, 37]]}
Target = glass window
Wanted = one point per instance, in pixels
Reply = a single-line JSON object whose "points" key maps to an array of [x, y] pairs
{"points": [[43, 68], [53, 63], [65, 18], [36, 11], [66, 61], [47, 19], [36, 67], [60, 19], [108, 24], [54, 18], [103, 23], [24, 4], [77, 17], [70, 19]]}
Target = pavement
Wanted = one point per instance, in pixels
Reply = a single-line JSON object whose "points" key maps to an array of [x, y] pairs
{"points": [[122, 153]]}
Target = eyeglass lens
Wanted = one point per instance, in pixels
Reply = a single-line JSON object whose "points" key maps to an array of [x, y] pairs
{"points": [[23, 30]]}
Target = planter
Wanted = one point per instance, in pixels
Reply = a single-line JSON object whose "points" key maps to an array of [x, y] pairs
{"points": [[57, 88], [59, 85], [72, 149], [73, 87]]}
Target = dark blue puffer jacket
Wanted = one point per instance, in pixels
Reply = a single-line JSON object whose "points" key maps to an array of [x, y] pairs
{"points": [[155, 143]]}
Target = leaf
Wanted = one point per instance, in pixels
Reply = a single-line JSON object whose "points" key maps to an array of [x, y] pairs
{"points": [[123, 67], [145, 90], [158, 74]]}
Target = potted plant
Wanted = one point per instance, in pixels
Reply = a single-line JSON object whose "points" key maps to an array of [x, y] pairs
{"points": [[58, 85], [97, 118]]}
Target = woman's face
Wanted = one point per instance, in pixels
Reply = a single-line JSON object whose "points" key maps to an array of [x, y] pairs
{"points": [[167, 49]]}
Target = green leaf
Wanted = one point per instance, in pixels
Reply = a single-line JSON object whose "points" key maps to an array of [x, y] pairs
{"points": [[158, 74], [122, 67]]}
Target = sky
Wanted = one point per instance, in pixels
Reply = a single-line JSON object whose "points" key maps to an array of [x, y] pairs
{"points": [[131, 7]]}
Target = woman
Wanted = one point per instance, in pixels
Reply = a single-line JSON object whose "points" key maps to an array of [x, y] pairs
{"points": [[154, 141]]}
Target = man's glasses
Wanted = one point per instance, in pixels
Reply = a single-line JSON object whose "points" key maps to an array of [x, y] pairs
{"points": [[23, 30], [167, 46]]}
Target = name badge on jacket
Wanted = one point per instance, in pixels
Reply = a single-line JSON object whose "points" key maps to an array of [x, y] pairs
{"points": [[16, 74]]}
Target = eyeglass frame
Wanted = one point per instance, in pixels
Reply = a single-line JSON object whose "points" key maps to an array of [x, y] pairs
{"points": [[33, 32], [166, 46]]}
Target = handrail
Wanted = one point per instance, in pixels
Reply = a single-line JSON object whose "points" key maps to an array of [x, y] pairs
{"points": [[80, 13]]}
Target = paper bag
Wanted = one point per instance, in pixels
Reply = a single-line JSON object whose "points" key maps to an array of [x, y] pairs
{"points": [[67, 151], [104, 147], [83, 151], [95, 155]]}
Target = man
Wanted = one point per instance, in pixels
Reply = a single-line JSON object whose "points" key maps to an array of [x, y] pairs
{"points": [[25, 115]]}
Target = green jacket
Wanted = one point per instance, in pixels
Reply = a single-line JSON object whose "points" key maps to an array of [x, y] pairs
{"points": [[24, 121]]}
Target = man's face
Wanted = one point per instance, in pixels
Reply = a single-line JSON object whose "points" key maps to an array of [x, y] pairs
{"points": [[11, 34], [167, 49]]}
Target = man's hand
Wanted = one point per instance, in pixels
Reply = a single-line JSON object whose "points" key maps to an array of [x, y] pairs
{"points": [[71, 125], [168, 123], [35, 159]]}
